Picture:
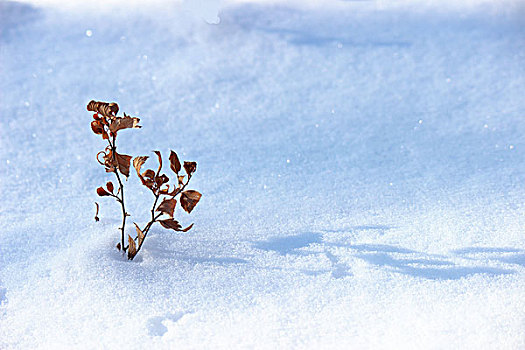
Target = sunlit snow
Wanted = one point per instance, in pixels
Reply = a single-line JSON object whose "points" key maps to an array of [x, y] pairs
{"points": [[361, 165]]}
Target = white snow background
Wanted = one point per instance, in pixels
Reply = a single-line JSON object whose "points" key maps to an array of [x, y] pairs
{"points": [[361, 164]]}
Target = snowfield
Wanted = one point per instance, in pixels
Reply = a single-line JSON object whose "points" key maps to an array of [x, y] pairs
{"points": [[361, 163]]}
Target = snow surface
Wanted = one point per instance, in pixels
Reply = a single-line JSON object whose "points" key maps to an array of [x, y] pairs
{"points": [[361, 167]]}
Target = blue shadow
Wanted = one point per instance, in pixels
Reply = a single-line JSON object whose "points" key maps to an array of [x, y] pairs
{"points": [[289, 244]]}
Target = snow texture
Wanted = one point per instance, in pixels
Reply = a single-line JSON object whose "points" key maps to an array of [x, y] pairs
{"points": [[361, 164]]}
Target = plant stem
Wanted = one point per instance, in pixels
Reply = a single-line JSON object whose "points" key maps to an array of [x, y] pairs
{"points": [[154, 205], [121, 189], [149, 224], [182, 188]]}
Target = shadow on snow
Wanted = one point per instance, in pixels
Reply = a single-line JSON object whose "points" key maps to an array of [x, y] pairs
{"points": [[394, 258]]}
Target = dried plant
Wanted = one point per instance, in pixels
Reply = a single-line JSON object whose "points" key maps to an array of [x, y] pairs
{"points": [[107, 124]]}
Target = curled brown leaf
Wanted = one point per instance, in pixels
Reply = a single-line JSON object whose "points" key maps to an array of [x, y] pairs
{"points": [[132, 248], [167, 206], [122, 162], [171, 224], [161, 180], [174, 225], [160, 162], [150, 174], [190, 167], [125, 122], [189, 199], [110, 187], [140, 235], [174, 162], [138, 162], [104, 108], [148, 178], [102, 192], [97, 126], [187, 228], [108, 161]]}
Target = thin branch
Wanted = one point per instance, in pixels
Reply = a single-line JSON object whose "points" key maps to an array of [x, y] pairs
{"points": [[179, 191], [154, 206], [117, 198], [120, 190], [148, 225]]}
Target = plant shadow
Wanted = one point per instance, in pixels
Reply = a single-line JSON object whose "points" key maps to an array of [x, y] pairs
{"points": [[428, 268], [394, 258], [507, 255], [420, 264], [290, 244]]}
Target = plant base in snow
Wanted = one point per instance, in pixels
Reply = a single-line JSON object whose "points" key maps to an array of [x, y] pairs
{"points": [[107, 124]]}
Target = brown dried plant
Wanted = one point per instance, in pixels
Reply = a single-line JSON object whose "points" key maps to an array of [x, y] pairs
{"points": [[107, 124]]}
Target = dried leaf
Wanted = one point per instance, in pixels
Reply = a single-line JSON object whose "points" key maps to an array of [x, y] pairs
{"points": [[189, 199], [102, 192], [123, 162], [160, 162], [190, 167], [174, 162], [171, 224], [187, 228], [132, 248], [150, 174], [161, 180], [96, 213], [109, 186], [108, 161], [124, 123], [104, 108], [118, 246], [138, 162], [112, 108], [167, 206], [180, 178], [97, 126], [148, 178], [174, 225], [103, 157], [140, 235], [91, 106]]}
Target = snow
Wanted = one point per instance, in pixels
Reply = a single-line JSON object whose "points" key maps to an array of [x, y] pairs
{"points": [[361, 165]]}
